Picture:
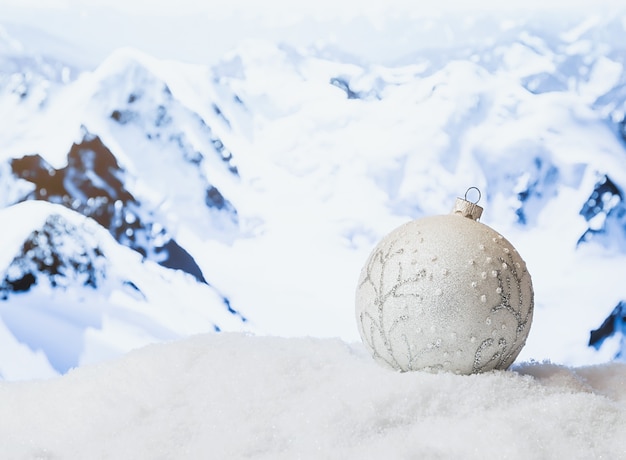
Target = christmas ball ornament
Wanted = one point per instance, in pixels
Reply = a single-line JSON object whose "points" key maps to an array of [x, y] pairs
{"points": [[445, 293]]}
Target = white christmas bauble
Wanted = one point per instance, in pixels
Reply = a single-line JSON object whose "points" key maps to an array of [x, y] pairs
{"points": [[445, 293]]}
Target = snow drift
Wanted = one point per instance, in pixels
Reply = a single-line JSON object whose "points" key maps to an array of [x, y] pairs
{"points": [[232, 395]]}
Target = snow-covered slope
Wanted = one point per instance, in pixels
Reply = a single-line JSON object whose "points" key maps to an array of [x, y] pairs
{"points": [[71, 295], [127, 192], [269, 176]]}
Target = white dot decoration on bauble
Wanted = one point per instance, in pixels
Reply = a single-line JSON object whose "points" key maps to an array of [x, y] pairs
{"points": [[445, 293]]}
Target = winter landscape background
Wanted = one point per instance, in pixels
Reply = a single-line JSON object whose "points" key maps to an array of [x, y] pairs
{"points": [[229, 170]]}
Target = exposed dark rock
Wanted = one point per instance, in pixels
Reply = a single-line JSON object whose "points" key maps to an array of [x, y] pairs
{"points": [[342, 84], [615, 323], [605, 211], [59, 251], [92, 184], [542, 183]]}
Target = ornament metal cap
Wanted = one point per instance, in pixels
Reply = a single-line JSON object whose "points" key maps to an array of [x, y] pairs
{"points": [[466, 208]]}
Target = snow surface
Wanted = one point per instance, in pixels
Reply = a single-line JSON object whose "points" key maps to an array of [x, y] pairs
{"points": [[238, 396]]}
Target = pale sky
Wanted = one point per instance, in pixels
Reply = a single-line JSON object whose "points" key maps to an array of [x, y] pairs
{"points": [[325, 7], [203, 30]]}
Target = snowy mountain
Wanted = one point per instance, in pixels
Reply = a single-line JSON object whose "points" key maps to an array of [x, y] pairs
{"points": [[72, 295], [248, 194], [90, 181]]}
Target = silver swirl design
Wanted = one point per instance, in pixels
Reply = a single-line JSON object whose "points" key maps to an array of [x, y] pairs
{"points": [[444, 293]]}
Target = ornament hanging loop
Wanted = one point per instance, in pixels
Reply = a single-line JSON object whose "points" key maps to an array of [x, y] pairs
{"points": [[466, 208], [479, 194]]}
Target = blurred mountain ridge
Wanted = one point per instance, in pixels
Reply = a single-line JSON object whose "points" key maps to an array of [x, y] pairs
{"points": [[252, 188]]}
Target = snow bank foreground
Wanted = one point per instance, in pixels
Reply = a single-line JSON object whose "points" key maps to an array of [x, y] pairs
{"points": [[231, 396]]}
